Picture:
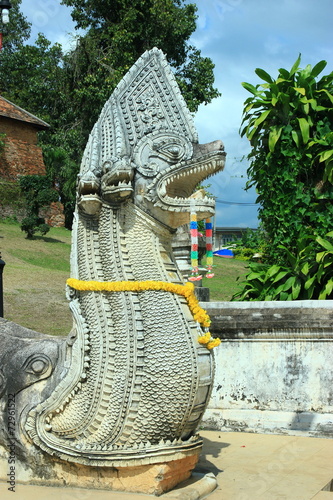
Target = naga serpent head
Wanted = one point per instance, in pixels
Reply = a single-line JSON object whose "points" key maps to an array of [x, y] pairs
{"points": [[144, 149], [169, 170]]}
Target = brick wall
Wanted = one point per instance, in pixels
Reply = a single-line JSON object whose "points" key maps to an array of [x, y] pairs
{"points": [[8, 211], [20, 158], [54, 215], [21, 155], [18, 130]]}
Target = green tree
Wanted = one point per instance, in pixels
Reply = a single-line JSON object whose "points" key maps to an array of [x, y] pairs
{"points": [[17, 31], [118, 32], [252, 241], [31, 77], [289, 122], [38, 192]]}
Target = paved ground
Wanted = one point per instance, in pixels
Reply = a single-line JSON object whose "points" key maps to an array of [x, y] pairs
{"points": [[247, 466], [267, 467]]}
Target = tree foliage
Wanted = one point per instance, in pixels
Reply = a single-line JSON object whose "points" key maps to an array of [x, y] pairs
{"points": [[17, 31], [118, 32], [252, 242], [289, 122], [32, 76]]}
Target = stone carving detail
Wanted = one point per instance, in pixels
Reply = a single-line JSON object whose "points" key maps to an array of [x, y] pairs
{"points": [[136, 381]]}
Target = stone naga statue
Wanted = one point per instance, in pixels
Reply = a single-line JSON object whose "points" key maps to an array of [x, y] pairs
{"points": [[131, 382]]}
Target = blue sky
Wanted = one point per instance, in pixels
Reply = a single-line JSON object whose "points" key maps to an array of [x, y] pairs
{"points": [[239, 36]]}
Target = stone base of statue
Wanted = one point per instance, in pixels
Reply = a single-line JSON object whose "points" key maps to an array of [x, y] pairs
{"points": [[152, 479]]}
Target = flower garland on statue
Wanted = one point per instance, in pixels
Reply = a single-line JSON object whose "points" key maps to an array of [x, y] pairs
{"points": [[187, 291]]}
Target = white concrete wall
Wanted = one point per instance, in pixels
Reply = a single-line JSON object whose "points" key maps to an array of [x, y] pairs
{"points": [[273, 368]]}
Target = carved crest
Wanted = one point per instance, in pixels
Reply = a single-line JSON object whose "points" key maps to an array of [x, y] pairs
{"points": [[146, 100]]}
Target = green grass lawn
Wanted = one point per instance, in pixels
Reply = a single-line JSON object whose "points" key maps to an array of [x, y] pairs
{"points": [[36, 270], [34, 279], [224, 283]]}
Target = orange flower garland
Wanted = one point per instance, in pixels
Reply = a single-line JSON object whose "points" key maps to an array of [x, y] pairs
{"points": [[187, 291]]}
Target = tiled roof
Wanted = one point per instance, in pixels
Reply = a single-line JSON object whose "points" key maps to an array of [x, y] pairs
{"points": [[10, 110]]}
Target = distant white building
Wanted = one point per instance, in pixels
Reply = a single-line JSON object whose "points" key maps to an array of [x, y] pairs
{"points": [[223, 236]]}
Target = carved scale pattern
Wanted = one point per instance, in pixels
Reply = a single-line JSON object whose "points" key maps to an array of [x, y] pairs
{"points": [[166, 355], [100, 405], [137, 384]]}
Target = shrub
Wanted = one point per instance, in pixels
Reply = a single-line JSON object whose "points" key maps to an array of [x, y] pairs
{"points": [[289, 123], [244, 253], [308, 275], [33, 224], [38, 192]]}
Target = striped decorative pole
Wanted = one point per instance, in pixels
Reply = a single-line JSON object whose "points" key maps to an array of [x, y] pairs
{"points": [[194, 247], [209, 248]]}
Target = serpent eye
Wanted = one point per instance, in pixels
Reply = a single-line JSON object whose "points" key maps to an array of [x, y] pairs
{"points": [[172, 151], [37, 364], [159, 150]]}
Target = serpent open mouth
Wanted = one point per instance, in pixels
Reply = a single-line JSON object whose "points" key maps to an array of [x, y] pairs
{"points": [[175, 186]]}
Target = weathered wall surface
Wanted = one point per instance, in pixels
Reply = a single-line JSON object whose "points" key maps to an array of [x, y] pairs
{"points": [[20, 158], [273, 368], [54, 214], [18, 130], [21, 155]]}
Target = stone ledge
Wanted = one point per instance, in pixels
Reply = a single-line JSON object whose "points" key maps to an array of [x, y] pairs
{"points": [[305, 320], [266, 421]]}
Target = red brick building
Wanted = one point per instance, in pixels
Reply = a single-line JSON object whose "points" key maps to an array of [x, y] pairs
{"points": [[21, 155]]}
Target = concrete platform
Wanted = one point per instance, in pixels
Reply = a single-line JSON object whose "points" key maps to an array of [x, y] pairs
{"points": [[247, 467]]}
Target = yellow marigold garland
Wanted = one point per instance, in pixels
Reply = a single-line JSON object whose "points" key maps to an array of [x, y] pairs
{"points": [[187, 291]]}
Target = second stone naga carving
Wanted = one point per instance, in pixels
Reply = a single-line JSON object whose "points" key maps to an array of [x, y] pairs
{"points": [[138, 381]]}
